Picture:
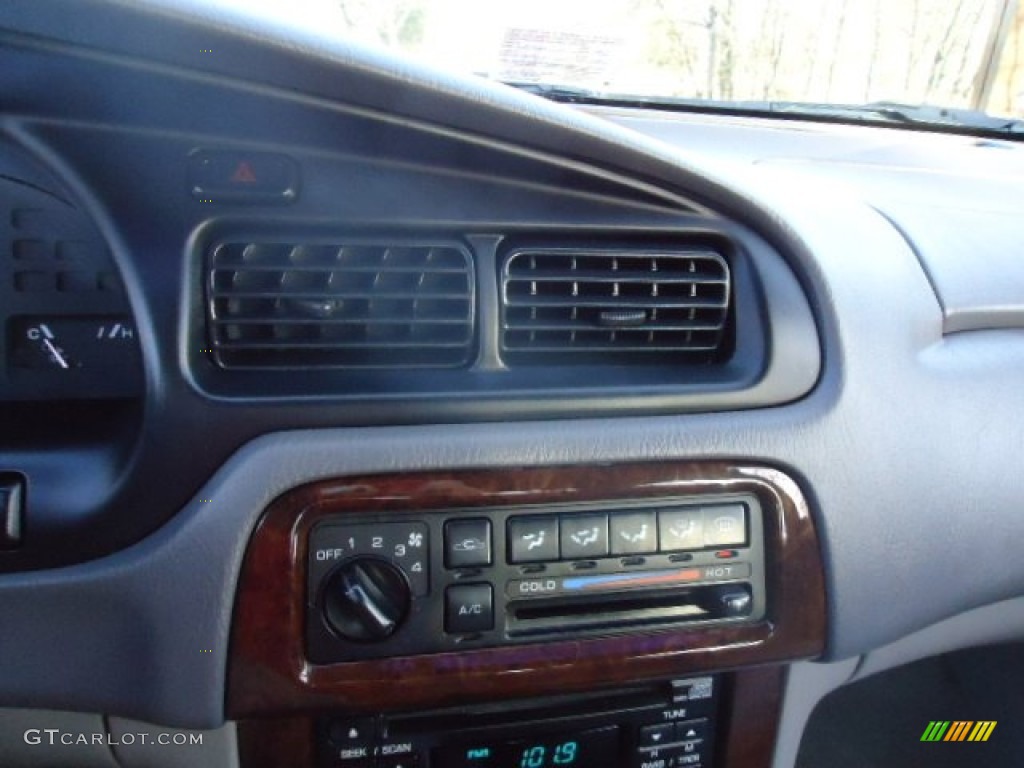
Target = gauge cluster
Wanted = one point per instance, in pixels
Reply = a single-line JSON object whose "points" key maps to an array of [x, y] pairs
{"points": [[68, 330], [97, 356]]}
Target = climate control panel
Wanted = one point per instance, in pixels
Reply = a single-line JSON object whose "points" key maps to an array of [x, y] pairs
{"points": [[404, 584]]}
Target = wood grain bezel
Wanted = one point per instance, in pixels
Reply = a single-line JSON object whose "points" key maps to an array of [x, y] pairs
{"points": [[269, 673]]}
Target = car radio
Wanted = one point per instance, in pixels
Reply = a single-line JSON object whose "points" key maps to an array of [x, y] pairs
{"points": [[660, 725], [383, 585]]}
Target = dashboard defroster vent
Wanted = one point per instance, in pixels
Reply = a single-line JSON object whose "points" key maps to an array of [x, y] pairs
{"points": [[344, 304], [614, 306]]}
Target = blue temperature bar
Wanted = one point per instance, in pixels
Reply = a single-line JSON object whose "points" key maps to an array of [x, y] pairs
{"points": [[638, 579]]}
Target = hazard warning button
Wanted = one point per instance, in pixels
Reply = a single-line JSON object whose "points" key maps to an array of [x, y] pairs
{"points": [[218, 176]]}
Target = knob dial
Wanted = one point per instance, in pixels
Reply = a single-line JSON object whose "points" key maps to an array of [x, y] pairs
{"points": [[366, 599]]}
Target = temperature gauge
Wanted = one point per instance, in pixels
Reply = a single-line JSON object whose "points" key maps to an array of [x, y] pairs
{"points": [[97, 356]]}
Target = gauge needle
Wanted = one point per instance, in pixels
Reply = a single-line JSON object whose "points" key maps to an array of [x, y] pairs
{"points": [[57, 355]]}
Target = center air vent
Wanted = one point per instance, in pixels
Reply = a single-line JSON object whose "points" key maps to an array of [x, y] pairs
{"points": [[614, 306], [346, 304]]}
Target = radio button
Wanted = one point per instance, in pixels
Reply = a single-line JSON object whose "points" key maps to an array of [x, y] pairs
{"points": [[648, 760], [680, 529], [682, 759], [351, 741], [359, 730], [354, 756], [656, 735], [693, 689], [692, 730], [584, 536], [467, 543], [725, 526], [634, 533], [349, 758], [469, 608], [532, 539], [405, 761]]}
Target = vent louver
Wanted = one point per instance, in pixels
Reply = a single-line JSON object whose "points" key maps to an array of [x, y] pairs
{"points": [[614, 306], [347, 304]]}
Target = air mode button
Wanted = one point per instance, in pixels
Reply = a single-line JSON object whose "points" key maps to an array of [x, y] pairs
{"points": [[634, 533], [532, 539], [467, 543]]}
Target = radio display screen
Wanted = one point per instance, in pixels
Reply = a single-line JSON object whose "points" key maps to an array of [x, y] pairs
{"points": [[587, 749]]}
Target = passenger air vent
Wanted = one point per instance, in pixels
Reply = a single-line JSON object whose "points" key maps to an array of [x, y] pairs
{"points": [[348, 304], [614, 306]]}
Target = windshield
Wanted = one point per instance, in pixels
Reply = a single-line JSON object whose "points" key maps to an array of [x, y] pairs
{"points": [[963, 54]]}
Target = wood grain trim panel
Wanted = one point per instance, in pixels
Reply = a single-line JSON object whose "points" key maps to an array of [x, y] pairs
{"points": [[752, 713], [268, 671]]}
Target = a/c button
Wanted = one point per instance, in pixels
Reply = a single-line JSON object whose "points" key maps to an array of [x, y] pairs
{"points": [[469, 608]]}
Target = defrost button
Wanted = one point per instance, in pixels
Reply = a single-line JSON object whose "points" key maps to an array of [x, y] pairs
{"points": [[725, 526]]}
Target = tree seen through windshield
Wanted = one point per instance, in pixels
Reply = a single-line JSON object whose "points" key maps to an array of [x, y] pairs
{"points": [[949, 53]]}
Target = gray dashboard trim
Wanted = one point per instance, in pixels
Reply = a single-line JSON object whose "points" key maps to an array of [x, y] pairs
{"points": [[972, 254], [132, 626], [216, 748], [955, 199], [20, 728], [30, 738], [809, 682], [991, 624]]}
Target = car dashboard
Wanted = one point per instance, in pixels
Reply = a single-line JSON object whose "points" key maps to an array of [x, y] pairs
{"points": [[356, 414]]}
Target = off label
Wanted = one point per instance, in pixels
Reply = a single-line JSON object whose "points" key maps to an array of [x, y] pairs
{"points": [[407, 545]]}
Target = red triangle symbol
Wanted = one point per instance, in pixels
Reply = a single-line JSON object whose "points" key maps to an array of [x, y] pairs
{"points": [[244, 174]]}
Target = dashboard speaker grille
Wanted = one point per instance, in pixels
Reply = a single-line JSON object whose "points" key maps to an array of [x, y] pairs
{"points": [[348, 304], [614, 306]]}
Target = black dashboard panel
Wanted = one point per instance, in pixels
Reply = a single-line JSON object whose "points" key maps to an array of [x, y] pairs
{"points": [[168, 179], [68, 331]]}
